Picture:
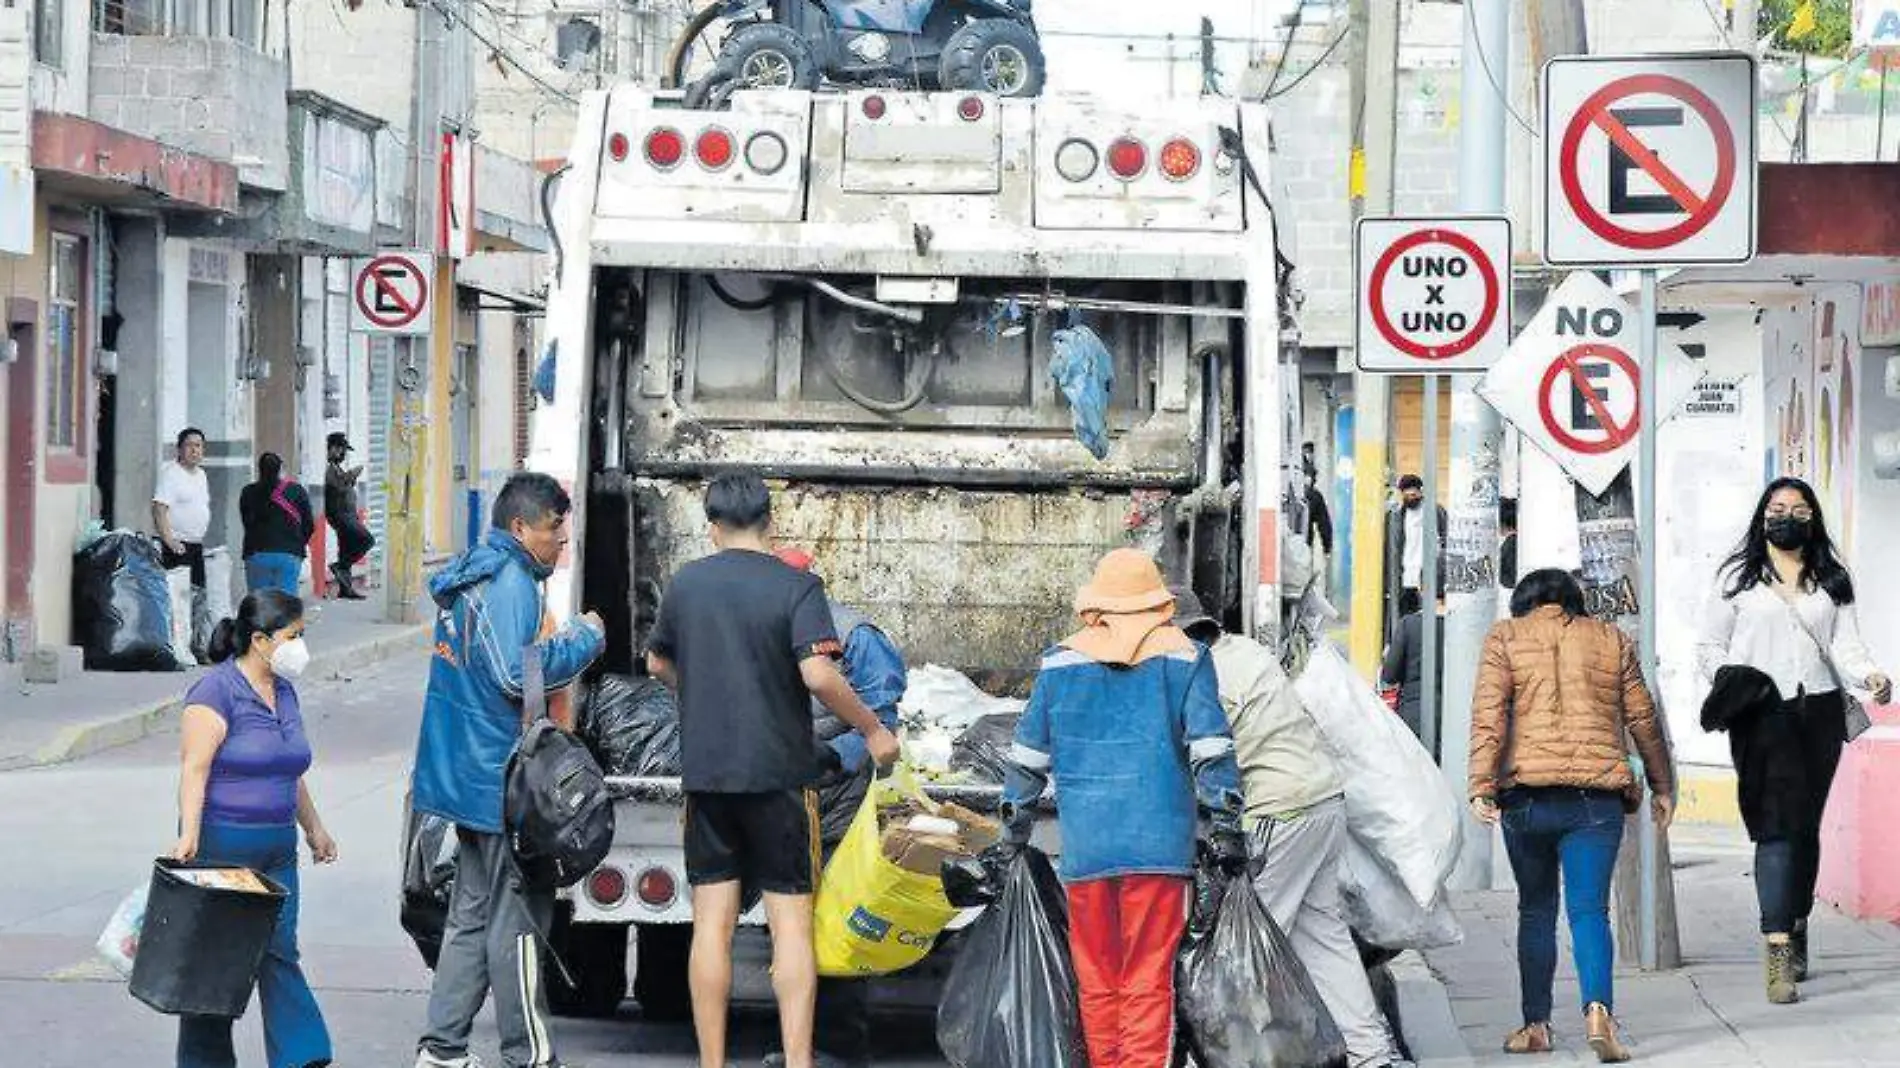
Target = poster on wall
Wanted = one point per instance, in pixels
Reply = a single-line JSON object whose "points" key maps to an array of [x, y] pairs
{"points": [[1786, 382], [1834, 443]]}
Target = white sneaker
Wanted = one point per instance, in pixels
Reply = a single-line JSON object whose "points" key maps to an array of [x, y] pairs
{"points": [[425, 1059]]}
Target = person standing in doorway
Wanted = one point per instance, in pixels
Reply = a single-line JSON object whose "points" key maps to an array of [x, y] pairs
{"points": [[748, 641], [353, 539], [181, 515], [1319, 518], [1405, 552], [1787, 610], [278, 525], [490, 607]]}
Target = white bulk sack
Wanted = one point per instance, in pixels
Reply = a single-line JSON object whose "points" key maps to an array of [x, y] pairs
{"points": [[1397, 803], [178, 584], [945, 699], [1380, 910]]}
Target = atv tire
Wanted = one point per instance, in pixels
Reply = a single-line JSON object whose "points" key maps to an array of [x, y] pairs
{"points": [[763, 55], [1000, 56]]}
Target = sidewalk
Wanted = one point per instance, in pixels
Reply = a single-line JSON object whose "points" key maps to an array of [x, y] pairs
{"points": [[1711, 1013], [101, 709]]}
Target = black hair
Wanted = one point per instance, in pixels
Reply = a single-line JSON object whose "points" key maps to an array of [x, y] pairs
{"points": [[270, 468], [738, 500], [1747, 567], [1544, 586], [1507, 512], [531, 497], [188, 433], [1410, 482], [263, 612]]}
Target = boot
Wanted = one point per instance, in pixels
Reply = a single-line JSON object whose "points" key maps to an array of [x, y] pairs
{"points": [[345, 583], [1531, 1038], [1781, 980], [1600, 1027], [1798, 950]]}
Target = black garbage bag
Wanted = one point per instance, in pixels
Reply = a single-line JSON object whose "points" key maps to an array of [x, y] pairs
{"points": [[632, 724], [983, 747], [1010, 1000], [1244, 999], [122, 609], [428, 880]]}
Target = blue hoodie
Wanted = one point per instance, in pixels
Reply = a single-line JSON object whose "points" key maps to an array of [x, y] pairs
{"points": [[488, 610]]}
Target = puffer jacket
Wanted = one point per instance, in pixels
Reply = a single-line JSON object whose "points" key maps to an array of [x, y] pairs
{"points": [[1555, 697]]}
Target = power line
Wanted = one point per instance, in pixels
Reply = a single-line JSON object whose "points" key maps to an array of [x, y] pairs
{"points": [[1471, 24], [503, 53], [1308, 72]]}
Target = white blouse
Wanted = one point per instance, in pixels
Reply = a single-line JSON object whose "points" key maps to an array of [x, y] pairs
{"points": [[1757, 627]]}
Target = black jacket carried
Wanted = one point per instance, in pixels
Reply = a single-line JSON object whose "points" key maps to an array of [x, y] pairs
{"points": [[277, 519]]}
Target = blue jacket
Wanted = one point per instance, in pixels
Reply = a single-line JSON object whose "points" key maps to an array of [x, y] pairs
{"points": [[1137, 754], [876, 672], [488, 610]]}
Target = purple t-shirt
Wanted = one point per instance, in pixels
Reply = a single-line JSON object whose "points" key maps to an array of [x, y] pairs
{"points": [[255, 772]]}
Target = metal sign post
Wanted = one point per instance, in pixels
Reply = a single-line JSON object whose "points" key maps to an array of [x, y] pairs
{"points": [[1646, 584]]}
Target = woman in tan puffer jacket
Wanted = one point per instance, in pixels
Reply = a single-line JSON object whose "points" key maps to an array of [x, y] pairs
{"points": [[1557, 692]]}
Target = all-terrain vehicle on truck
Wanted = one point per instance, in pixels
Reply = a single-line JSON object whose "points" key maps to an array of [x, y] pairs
{"points": [[862, 295]]}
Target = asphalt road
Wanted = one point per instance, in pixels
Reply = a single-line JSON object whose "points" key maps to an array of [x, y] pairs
{"points": [[75, 839]]}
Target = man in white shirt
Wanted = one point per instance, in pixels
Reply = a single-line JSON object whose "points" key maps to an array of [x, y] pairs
{"points": [[1405, 552], [181, 514]]}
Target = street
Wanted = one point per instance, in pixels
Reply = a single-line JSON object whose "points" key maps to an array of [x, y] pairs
{"points": [[76, 838]]}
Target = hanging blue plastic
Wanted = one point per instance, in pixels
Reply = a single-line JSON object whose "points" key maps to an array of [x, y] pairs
{"points": [[1085, 372], [544, 375]]}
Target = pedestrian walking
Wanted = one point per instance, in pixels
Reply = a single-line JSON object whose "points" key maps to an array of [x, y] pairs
{"points": [[1296, 825], [278, 525], [490, 607], [1556, 692], [353, 539], [1404, 664], [1786, 608], [181, 516], [748, 641], [1126, 716], [241, 798], [1405, 552]]}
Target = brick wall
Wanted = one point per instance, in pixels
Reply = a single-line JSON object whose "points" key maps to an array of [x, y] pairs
{"points": [[212, 96]]}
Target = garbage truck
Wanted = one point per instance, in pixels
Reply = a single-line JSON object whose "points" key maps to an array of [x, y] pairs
{"points": [[867, 296]]}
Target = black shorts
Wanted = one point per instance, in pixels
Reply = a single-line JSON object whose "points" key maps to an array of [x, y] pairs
{"points": [[765, 842]]}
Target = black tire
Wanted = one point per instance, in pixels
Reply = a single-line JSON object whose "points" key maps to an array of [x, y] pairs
{"points": [[766, 55], [661, 951], [596, 959], [987, 51]]}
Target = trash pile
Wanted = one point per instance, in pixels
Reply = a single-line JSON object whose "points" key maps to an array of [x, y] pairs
{"points": [[953, 731], [122, 612], [632, 726]]}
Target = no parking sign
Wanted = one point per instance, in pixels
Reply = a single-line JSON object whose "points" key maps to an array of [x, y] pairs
{"points": [[1434, 295]]}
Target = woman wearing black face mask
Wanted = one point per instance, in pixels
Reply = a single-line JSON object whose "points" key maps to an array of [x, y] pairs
{"points": [[1786, 609]]}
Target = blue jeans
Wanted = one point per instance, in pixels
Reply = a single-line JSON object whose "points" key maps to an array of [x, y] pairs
{"points": [[294, 1032], [274, 571], [1552, 832]]}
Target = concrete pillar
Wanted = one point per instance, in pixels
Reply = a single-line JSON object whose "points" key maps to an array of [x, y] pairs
{"points": [[144, 439]]}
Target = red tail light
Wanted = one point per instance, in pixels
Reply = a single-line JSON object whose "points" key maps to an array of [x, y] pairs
{"points": [[1180, 159], [714, 149], [617, 147], [607, 886], [970, 108], [657, 888], [1127, 158], [873, 107], [665, 148]]}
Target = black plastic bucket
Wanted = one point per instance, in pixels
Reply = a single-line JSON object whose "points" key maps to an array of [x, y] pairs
{"points": [[200, 947]]}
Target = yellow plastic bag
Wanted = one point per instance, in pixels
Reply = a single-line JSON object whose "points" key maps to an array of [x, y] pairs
{"points": [[871, 916]]}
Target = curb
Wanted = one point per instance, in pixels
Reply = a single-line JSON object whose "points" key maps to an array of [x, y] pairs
{"points": [[1431, 1030], [124, 728]]}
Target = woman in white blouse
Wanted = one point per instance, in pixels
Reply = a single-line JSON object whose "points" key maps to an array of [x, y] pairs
{"points": [[1786, 608]]}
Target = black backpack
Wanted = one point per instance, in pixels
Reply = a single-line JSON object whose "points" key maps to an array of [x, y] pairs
{"points": [[557, 813]]}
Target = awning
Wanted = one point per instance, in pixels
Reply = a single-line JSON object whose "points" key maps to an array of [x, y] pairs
{"points": [[101, 164]]}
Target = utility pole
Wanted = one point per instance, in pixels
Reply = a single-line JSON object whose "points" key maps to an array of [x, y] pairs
{"points": [[1374, 26], [1208, 73]]}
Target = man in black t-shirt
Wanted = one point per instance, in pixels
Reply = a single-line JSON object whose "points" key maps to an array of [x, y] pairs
{"points": [[748, 641]]}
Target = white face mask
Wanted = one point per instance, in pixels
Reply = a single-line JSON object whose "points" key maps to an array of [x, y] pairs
{"points": [[289, 659]]}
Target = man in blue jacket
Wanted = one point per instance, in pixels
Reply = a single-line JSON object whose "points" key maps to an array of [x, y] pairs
{"points": [[489, 609]]}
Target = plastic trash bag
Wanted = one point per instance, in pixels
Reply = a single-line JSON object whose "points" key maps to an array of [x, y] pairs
{"points": [[632, 724], [1085, 372], [1244, 998], [1398, 804], [119, 942], [122, 606], [872, 916], [1380, 911], [945, 698], [1010, 1000], [983, 750], [428, 880], [178, 584], [217, 602]]}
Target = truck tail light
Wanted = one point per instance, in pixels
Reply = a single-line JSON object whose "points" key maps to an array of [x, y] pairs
{"points": [[766, 153], [665, 147], [656, 888], [970, 108], [1127, 158], [873, 107], [714, 149], [1076, 159], [617, 147], [607, 886], [1180, 159]]}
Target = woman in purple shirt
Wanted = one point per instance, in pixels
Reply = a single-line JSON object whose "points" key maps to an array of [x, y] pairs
{"points": [[241, 798]]}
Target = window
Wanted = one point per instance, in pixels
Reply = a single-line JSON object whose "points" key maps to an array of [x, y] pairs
{"points": [[49, 32], [65, 386]]}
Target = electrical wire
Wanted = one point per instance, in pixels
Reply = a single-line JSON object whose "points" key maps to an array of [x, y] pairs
{"points": [[1308, 72], [1484, 61], [1286, 49], [503, 53]]}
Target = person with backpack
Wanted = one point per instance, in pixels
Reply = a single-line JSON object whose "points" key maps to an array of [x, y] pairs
{"points": [[489, 610]]}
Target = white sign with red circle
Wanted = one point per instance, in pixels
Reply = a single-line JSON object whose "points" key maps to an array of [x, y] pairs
{"points": [[1571, 383], [389, 294], [1649, 160], [1434, 295]]}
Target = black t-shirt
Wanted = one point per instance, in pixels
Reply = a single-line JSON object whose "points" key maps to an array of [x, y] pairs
{"points": [[736, 626]]}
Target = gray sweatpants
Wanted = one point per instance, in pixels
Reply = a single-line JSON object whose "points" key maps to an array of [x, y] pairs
{"points": [[1299, 885], [490, 944]]}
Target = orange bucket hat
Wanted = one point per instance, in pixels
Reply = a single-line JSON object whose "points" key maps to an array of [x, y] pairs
{"points": [[1126, 607], [1126, 580]]}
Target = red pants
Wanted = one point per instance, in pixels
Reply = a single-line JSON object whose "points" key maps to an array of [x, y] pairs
{"points": [[1124, 934]]}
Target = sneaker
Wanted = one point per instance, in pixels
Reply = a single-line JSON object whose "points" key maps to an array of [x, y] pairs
{"points": [[426, 1059]]}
